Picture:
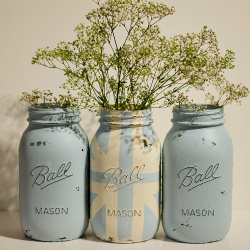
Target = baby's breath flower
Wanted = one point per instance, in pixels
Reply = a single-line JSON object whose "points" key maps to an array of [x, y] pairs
{"points": [[140, 71], [45, 99]]}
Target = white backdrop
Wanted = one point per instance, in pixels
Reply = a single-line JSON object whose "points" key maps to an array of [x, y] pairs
{"points": [[28, 25]]}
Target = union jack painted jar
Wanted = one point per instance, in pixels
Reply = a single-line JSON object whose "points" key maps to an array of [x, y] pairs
{"points": [[125, 177]]}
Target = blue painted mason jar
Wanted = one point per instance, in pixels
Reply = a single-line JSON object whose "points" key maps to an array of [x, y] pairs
{"points": [[53, 176], [197, 176], [125, 177]]}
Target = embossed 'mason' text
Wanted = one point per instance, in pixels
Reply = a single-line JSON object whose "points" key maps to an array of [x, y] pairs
{"points": [[124, 213], [51, 210], [197, 212]]}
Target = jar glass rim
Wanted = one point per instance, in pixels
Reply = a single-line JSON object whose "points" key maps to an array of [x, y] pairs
{"points": [[197, 107]]}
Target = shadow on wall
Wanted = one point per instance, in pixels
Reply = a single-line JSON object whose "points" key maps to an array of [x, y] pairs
{"points": [[89, 123], [13, 115]]}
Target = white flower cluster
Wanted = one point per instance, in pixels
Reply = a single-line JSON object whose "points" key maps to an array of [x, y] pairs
{"points": [[146, 69]]}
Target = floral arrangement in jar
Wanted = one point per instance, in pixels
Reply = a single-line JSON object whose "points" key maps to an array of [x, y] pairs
{"points": [[137, 70], [120, 66]]}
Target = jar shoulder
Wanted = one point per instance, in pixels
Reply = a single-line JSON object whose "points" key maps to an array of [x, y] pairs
{"points": [[145, 133], [59, 134], [210, 142], [177, 133]]}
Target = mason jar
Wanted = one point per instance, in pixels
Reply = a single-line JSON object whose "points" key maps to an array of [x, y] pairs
{"points": [[53, 175], [125, 177], [197, 176]]}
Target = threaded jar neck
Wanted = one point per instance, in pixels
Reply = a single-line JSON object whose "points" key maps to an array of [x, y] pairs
{"points": [[211, 116], [138, 118], [57, 116]]}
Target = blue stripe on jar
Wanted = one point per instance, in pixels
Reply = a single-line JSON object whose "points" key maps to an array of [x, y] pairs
{"points": [[125, 195]]}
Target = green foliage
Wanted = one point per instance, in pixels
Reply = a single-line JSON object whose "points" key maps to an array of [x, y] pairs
{"points": [[142, 70]]}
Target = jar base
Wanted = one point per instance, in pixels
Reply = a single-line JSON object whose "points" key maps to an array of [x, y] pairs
{"points": [[56, 240], [111, 240], [189, 242]]}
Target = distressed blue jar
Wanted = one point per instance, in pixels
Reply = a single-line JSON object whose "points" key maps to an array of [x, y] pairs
{"points": [[125, 177], [197, 176], [53, 172]]}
